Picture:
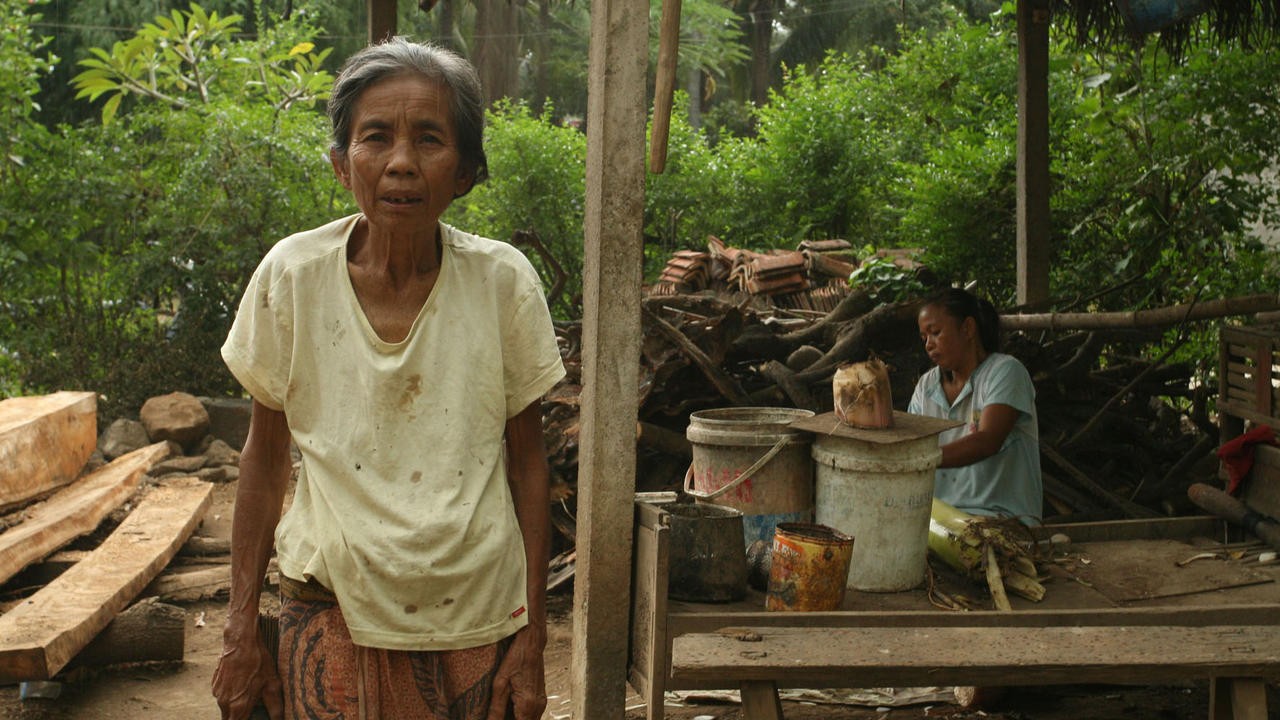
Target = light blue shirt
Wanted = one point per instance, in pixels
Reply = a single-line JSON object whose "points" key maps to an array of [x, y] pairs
{"points": [[1007, 483]]}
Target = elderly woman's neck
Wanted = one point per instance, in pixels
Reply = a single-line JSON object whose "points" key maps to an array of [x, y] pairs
{"points": [[397, 256]]}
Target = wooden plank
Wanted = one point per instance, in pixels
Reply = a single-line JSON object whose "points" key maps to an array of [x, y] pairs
{"points": [[649, 615], [1262, 490], [45, 441], [1239, 395], [1141, 529], [1244, 411], [1237, 699], [708, 620], [760, 701], [1262, 379], [906, 427], [74, 510], [895, 657], [40, 636], [1248, 699]]}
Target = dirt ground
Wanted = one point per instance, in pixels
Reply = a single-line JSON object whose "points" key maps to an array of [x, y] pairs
{"points": [[181, 691]]}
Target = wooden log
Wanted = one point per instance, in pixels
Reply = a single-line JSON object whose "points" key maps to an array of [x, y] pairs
{"points": [[74, 510], [1129, 508], [726, 385], [202, 545], [663, 440], [192, 585], [45, 441], [664, 84], [39, 637], [147, 631], [203, 584], [1155, 317]]}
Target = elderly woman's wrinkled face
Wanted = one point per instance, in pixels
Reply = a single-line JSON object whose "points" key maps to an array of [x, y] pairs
{"points": [[402, 164]]}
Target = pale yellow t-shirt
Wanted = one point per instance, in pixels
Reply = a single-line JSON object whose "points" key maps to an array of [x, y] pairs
{"points": [[402, 506]]}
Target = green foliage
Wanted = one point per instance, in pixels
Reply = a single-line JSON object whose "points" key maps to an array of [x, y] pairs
{"points": [[22, 63], [680, 202], [884, 280], [1163, 170], [143, 237], [123, 252], [710, 37], [185, 59], [128, 246], [536, 185]]}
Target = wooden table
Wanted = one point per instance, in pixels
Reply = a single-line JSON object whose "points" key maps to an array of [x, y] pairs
{"points": [[1119, 609]]}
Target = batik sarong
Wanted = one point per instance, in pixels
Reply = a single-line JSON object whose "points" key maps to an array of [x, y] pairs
{"points": [[327, 677]]}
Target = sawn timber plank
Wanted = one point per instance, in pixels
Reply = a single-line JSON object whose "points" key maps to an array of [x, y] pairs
{"points": [[45, 441], [74, 510], [896, 656], [40, 636]]}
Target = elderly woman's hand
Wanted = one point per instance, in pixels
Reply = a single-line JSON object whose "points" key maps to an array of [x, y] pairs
{"points": [[246, 675], [520, 682]]}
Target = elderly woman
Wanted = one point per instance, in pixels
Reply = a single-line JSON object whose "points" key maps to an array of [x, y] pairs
{"points": [[991, 464], [405, 360]]}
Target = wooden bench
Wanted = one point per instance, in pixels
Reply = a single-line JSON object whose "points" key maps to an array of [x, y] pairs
{"points": [[761, 659], [688, 646]]}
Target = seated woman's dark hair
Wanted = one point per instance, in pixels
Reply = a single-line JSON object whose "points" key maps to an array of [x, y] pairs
{"points": [[961, 304]]}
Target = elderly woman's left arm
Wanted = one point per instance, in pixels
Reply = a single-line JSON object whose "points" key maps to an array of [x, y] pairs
{"points": [[521, 678]]}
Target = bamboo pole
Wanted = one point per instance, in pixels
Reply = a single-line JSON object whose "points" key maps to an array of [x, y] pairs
{"points": [[1154, 317], [664, 84]]}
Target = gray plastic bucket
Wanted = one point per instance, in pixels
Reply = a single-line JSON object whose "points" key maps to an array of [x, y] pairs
{"points": [[749, 459], [882, 495]]}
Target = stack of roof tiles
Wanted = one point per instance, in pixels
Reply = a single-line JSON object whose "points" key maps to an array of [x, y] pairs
{"points": [[811, 277]]}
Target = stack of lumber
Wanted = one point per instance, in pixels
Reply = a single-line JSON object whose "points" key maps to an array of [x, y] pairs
{"points": [[45, 442]]}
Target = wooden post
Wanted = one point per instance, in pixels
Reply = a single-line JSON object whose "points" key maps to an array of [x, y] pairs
{"points": [[612, 265], [1033, 152], [382, 19], [664, 85]]}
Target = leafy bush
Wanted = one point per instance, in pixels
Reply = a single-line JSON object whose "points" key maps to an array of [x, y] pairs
{"points": [[129, 243], [536, 185], [22, 63]]}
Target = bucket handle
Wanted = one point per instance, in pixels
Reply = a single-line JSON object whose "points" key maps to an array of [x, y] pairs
{"points": [[688, 475]]}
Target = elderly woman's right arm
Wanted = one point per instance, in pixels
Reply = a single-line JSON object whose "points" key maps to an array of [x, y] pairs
{"points": [[246, 672]]}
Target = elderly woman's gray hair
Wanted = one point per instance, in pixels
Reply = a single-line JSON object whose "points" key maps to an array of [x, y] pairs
{"points": [[399, 56]]}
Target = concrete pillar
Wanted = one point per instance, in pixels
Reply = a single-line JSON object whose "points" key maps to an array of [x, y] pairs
{"points": [[612, 266]]}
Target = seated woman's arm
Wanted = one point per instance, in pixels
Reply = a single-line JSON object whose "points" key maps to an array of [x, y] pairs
{"points": [[994, 425]]}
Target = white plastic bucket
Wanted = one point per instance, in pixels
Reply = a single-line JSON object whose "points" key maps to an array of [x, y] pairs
{"points": [[881, 494], [749, 459]]}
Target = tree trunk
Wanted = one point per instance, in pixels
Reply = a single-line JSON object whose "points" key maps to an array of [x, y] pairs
{"points": [[761, 14], [148, 631], [445, 23], [497, 49], [542, 48]]}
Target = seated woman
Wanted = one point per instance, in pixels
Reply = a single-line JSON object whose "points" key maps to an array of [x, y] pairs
{"points": [[991, 464]]}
